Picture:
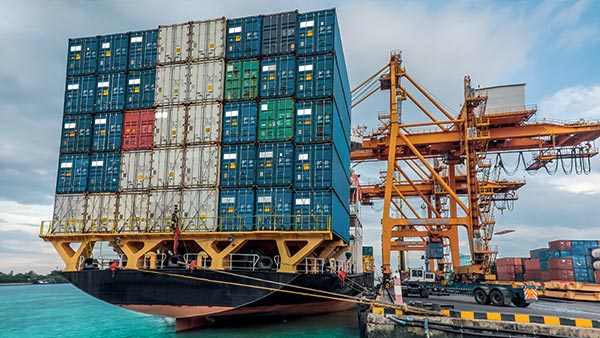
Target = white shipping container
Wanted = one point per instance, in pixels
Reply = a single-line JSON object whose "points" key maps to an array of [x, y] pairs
{"points": [[171, 86], [169, 126], [69, 213], [135, 170], [173, 43], [161, 206], [132, 215], [207, 40], [206, 81], [204, 123], [101, 212], [199, 211], [167, 166], [201, 166]]}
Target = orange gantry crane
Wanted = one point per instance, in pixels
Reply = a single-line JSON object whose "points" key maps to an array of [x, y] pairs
{"points": [[440, 175]]}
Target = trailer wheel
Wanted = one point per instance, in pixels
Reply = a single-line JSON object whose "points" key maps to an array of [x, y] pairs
{"points": [[497, 298], [423, 293], [481, 297]]}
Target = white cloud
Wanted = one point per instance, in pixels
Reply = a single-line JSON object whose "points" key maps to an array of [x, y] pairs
{"points": [[572, 14], [25, 217], [573, 38], [572, 103]]}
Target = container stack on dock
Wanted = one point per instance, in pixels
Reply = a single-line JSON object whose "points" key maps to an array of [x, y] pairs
{"points": [[563, 260], [236, 125]]}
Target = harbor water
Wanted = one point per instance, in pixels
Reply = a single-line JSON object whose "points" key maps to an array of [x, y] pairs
{"points": [[62, 311]]}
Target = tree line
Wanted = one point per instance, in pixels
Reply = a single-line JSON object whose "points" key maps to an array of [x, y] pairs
{"points": [[31, 277]]}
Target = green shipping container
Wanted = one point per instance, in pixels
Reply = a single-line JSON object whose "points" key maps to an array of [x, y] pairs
{"points": [[241, 80], [276, 120]]}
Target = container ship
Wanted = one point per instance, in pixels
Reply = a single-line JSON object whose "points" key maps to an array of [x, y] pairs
{"points": [[213, 158]]}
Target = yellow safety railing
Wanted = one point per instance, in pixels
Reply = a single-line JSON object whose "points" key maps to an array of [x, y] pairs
{"points": [[312, 222]]}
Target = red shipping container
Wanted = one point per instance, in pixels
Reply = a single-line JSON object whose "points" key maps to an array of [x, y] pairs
{"points": [[560, 264], [533, 275], [531, 264], [138, 129], [505, 268], [519, 269], [562, 275], [545, 275], [560, 245], [597, 276], [506, 276]]}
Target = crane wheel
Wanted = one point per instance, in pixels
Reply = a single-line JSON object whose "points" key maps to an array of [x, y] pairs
{"points": [[497, 298], [481, 297]]}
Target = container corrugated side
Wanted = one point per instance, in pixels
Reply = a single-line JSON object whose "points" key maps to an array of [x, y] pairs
{"points": [[238, 165], [318, 166], [138, 129], [76, 134], [161, 206], [279, 33], [239, 122], [110, 92], [72, 173], [276, 120], [236, 209], [173, 44], [69, 212], [80, 94], [169, 126], [101, 213], [243, 37], [203, 124], [132, 214], [242, 80], [140, 89], [171, 85], [317, 209], [207, 39], [143, 49], [318, 32], [206, 81], [113, 52], [199, 209], [201, 166], [319, 76], [273, 209], [135, 170], [108, 132], [167, 168], [275, 164], [278, 76], [82, 56], [105, 172]]}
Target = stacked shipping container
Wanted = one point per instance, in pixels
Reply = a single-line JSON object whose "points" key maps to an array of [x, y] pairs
{"points": [[569, 260], [161, 120]]}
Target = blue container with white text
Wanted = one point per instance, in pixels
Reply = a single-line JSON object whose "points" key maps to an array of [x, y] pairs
{"points": [[273, 209], [278, 76], [140, 89], [143, 48], [82, 56], [108, 132], [110, 92], [321, 210], [80, 94], [239, 122], [113, 52], [238, 165], [72, 173], [243, 37], [104, 172], [76, 134], [275, 164], [236, 209]]}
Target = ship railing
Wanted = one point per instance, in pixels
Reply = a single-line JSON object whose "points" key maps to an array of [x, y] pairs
{"points": [[304, 222], [101, 262], [312, 265], [161, 258], [240, 261], [201, 258], [344, 265]]}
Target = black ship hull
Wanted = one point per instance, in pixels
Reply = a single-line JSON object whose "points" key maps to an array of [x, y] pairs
{"points": [[194, 296]]}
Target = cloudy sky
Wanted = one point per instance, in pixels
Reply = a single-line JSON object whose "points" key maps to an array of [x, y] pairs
{"points": [[553, 46]]}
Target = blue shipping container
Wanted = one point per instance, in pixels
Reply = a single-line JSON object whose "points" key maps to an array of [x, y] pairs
{"points": [[143, 47], [113, 53], [76, 134], [108, 132], [581, 275], [279, 33], [318, 33], [140, 89], [239, 122], [238, 165], [82, 56], [320, 210], [243, 37], [80, 95], [236, 210], [579, 248], [278, 76], [318, 166], [110, 92], [566, 253], [579, 262], [544, 265], [275, 165], [273, 209], [105, 170], [72, 173]]}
